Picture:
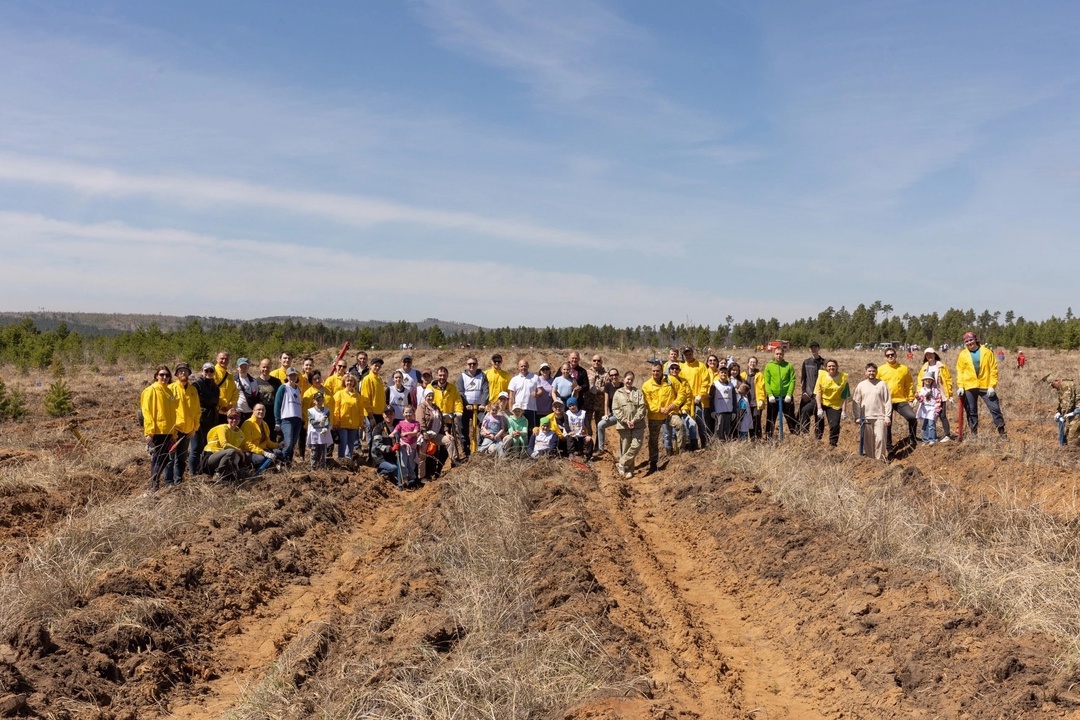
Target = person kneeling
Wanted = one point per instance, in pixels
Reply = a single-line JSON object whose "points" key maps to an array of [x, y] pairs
{"points": [[226, 452]]}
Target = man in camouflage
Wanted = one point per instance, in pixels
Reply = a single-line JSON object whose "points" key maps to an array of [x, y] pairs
{"points": [[1067, 406]]}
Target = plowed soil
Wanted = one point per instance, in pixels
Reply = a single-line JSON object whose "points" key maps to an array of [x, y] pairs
{"points": [[709, 599]]}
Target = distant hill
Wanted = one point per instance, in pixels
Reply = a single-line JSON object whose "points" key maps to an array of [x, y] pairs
{"points": [[114, 323]]}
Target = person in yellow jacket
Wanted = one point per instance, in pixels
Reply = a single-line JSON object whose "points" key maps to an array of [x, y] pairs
{"points": [[228, 393], [227, 453], [498, 379], [977, 377], [902, 390], [933, 367], [374, 391], [831, 394], [257, 433], [661, 406], [188, 414], [698, 376], [159, 422], [450, 404], [335, 382], [349, 410], [674, 442]]}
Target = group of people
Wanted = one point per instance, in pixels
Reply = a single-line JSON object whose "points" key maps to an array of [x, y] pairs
{"points": [[231, 421]]}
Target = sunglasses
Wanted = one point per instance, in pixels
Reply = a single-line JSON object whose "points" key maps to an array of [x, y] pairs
{"points": [[164, 375]]}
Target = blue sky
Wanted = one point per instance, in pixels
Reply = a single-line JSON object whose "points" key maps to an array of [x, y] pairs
{"points": [[555, 163]]}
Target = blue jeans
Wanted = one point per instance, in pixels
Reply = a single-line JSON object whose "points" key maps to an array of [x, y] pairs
{"points": [[174, 468], [290, 434], [195, 452], [929, 430], [347, 441], [971, 409], [604, 423]]}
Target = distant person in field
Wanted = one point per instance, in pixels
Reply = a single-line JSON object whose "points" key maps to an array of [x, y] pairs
{"points": [[831, 395], [208, 391], [808, 406], [977, 377], [933, 367], [1068, 400], [898, 378], [780, 387], [1001, 356], [1021, 360], [188, 416], [158, 407], [874, 409]]}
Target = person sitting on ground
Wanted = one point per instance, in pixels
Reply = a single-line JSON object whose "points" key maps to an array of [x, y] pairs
{"points": [[386, 449], [873, 407], [228, 452], [517, 430], [578, 441], [628, 407], [257, 433], [494, 437], [831, 395], [547, 438]]}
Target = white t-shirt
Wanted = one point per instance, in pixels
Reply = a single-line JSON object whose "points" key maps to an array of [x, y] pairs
{"points": [[524, 388]]}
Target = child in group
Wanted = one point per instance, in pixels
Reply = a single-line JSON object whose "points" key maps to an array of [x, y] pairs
{"points": [[493, 431], [407, 433], [744, 418], [928, 407], [518, 430], [546, 440], [577, 441], [319, 438]]}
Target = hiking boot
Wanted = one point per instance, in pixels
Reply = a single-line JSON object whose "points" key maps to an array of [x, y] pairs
{"points": [[1002, 434], [652, 469]]}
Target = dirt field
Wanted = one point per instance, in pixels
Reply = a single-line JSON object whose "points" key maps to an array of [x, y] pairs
{"points": [[695, 592]]}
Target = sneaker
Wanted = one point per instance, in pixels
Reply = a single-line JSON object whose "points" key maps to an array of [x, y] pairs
{"points": [[944, 439]]}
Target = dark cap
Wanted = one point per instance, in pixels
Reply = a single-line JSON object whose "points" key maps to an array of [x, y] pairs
{"points": [[814, 343]]}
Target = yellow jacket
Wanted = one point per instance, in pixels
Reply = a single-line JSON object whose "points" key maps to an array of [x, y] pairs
{"points": [[684, 398], [700, 379], [222, 437], [944, 378], [228, 393], [448, 400], [658, 396], [498, 381], [966, 379], [187, 407], [374, 391], [833, 392], [158, 409], [279, 373], [348, 410], [257, 432], [898, 378], [330, 387], [761, 398]]}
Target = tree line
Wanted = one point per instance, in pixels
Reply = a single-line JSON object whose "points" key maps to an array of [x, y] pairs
{"points": [[24, 346]]}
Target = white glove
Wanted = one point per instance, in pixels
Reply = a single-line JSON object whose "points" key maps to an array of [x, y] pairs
{"points": [[268, 455], [788, 399], [820, 412], [843, 415], [772, 400], [1057, 417], [991, 392], [959, 392]]}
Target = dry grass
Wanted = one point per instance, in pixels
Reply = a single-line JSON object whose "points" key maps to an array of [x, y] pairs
{"points": [[494, 665], [1000, 554]]}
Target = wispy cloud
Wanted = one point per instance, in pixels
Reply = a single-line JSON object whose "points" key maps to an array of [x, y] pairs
{"points": [[352, 210]]}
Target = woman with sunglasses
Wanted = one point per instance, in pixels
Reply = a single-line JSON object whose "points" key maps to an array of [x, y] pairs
{"points": [[159, 422]]}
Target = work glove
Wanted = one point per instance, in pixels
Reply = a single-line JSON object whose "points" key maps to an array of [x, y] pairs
{"points": [[395, 447], [1057, 417], [843, 415], [772, 400], [959, 392], [991, 392], [268, 455], [788, 400], [821, 413]]}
